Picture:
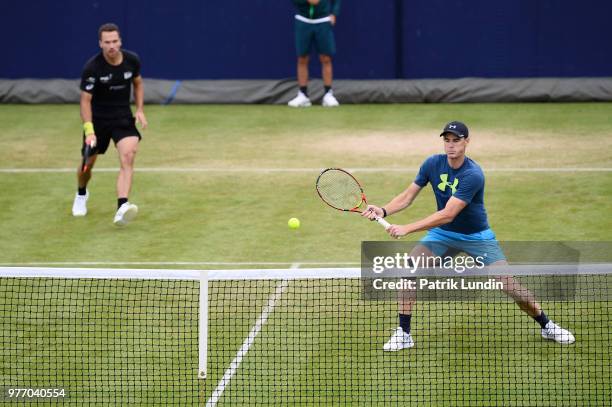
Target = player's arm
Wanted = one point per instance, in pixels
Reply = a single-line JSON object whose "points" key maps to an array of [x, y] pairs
{"points": [[397, 204], [86, 116], [439, 218], [139, 101], [335, 10]]}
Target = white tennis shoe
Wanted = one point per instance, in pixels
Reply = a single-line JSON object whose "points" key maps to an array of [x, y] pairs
{"points": [[329, 99], [125, 214], [79, 206], [301, 100], [555, 333], [398, 341]]}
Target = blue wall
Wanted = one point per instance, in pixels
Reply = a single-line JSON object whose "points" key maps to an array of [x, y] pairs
{"points": [[384, 39]]}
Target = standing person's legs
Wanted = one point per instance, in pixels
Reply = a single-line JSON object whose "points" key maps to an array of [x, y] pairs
{"points": [[326, 47], [302, 71], [326, 69], [329, 100], [303, 47], [302, 100]]}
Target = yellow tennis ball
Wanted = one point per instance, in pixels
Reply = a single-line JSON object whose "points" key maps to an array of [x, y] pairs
{"points": [[293, 223]]}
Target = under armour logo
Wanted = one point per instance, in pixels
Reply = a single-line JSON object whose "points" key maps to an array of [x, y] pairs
{"points": [[452, 126], [442, 185]]}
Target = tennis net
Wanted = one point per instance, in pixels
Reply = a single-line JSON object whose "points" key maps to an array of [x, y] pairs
{"points": [[289, 337]]}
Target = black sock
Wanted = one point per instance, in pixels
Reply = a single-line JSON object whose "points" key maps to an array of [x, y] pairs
{"points": [[121, 201], [304, 90], [404, 320], [82, 191], [542, 319], [327, 89]]}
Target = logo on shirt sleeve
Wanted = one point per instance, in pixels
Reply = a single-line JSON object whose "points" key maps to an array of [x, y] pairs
{"points": [[442, 185]]}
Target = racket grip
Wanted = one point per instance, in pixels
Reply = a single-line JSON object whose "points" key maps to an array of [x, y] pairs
{"points": [[383, 222]]}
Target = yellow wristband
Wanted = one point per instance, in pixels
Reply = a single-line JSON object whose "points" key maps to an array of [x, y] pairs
{"points": [[88, 128]]}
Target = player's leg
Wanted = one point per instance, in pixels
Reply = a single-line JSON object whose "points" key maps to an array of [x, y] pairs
{"points": [[83, 177], [401, 337], [126, 137], [127, 148], [527, 302], [79, 205], [303, 45], [523, 297], [485, 245]]}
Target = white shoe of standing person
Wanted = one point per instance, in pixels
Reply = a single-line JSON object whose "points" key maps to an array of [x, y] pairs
{"points": [[301, 100], [329, 100]]}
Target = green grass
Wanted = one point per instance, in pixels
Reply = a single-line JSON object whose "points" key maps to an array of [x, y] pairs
{"points": [[320, 345]]}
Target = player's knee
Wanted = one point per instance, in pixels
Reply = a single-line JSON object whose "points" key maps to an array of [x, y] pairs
{"points": [[325, 59], [303, 60], [127, 159]]}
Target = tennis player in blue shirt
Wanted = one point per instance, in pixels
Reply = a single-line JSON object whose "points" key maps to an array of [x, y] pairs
{"points": [[459, 225]]}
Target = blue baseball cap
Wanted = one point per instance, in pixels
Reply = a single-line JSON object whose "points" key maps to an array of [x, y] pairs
{"points": [[457, 128]]}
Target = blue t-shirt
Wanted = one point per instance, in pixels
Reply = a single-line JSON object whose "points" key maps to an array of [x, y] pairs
{"points": [[465, 183]]}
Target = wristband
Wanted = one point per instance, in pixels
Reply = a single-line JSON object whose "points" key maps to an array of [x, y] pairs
{"points": [[88, 128], [384, 212]]}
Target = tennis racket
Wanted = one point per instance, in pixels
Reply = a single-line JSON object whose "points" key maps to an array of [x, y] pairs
{"points": [[86, 154], [340, 190]]}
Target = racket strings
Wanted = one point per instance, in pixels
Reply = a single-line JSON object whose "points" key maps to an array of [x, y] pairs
{"points": [[339, 190]]}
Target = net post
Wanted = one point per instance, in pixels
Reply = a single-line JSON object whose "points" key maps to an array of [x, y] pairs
{"points": [[203, 326]]}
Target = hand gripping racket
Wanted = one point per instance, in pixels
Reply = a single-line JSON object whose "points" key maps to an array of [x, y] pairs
{"points": [[342, 191]]}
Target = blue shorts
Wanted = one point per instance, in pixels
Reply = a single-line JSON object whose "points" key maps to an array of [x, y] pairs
{"points": [[481, 244], [320, 36]]}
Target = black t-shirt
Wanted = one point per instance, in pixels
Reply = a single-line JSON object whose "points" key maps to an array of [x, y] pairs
{"points": [[110, 85]]}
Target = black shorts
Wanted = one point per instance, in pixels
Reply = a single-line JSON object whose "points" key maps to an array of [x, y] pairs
{"points": [[115, 129]]}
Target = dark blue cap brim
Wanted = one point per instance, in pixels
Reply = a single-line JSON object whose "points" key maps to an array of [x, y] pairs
{"points": [[455, 132]]}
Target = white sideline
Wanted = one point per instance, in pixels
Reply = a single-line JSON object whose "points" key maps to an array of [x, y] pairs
{"points": [[260, 170], [246, 345]]}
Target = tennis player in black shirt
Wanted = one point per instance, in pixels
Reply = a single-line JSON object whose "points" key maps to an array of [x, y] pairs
{"points": [[106, 83]]}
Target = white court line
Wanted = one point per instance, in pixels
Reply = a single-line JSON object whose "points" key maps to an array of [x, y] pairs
{"points": [[246, 345], [293, 170], [175, 263]]}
